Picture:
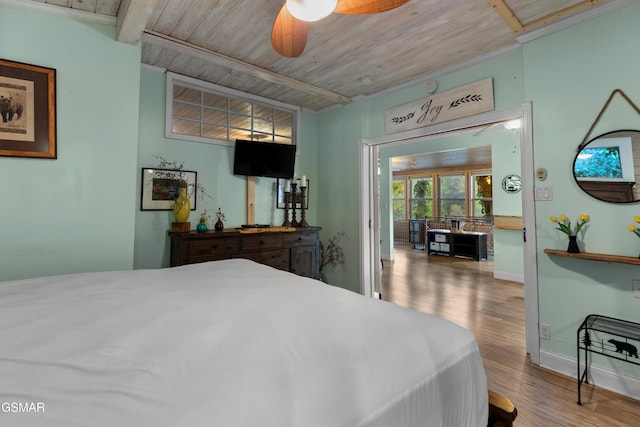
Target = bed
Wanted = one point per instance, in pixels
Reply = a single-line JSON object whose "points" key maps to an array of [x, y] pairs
{"points": [[227, 343]]}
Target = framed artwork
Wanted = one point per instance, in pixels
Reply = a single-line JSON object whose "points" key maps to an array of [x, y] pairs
{"points": [[280, 195], [28, 109], [160, 187]]}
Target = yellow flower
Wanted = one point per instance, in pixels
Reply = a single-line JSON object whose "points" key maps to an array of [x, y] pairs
{"points": [[636, 219], [632, 228], [564, 224]]}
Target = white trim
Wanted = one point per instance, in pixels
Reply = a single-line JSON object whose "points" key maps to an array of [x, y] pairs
{"points": [[574, 20], [600, 377], [368, 186], [80, 15], [152, 68]]}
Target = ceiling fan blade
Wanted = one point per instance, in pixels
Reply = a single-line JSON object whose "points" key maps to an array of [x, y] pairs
{"points": [[288, 35], [359, 7]]}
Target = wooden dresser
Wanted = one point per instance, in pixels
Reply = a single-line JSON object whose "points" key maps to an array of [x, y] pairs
{"points": [[295, 251]]}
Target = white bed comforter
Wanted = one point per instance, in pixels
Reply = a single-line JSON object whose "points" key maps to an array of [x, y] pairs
{"points": [[227, 343]]}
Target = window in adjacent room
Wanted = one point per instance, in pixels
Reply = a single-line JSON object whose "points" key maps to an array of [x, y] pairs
{"points": [[482, 201], [452, 195], [421, 197], [399, 201], [204, 112]]}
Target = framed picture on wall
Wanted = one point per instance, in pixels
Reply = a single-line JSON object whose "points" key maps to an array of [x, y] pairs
{"points": [[280, 195], [28, 109], [160, 187]]}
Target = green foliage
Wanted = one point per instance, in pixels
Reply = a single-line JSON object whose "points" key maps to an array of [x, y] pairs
{"points": [[598, 163], [333, 254]]}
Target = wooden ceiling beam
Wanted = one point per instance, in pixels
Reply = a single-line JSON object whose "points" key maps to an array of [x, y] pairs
{"points": [[562, 13], [132, 19], [507, 15], [514, 23], [215, 58]]}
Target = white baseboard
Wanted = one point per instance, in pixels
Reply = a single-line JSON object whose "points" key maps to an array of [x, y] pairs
{"points": [[512, 277], [600, 377]]}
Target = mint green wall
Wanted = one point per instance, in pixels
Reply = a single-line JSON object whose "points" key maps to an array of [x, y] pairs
{"points": [[213, 163], [75, 213], [339, 133], [570, 75]]}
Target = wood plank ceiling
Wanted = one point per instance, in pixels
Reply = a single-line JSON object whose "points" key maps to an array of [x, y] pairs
{"points": [[228, 42]]}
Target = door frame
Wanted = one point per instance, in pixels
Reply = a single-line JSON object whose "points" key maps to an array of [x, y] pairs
{"points": [[369, 221]]}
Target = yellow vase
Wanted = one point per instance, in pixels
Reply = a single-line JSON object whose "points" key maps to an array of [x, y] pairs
{"points": [[182, 206]]}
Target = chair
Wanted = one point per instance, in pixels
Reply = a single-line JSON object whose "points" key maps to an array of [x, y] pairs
{"points": [[502, 412]]}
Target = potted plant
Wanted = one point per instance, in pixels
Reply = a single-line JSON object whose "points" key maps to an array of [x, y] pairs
{"points": [[332, 255]]}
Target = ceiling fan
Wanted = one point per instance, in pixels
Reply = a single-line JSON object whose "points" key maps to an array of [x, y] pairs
{"points": [[289, 33]]}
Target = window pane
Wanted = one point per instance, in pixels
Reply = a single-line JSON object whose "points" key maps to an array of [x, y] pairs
{"points": [[482, 196], [282, 140], [216, 101], [239, 106], [185, 127], [215, 116], [421, 197], [483, 208], [215, 132], [186, 111], [181, 93], [284, 117], [241, 122], [398, 189], [284, 130], [263, 126], [398, 210], [199, 112], [452, 197], [263, 112], [452, 187]]}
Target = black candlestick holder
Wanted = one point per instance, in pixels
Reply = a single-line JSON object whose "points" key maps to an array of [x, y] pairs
{"points": [[294, 201], [303, 221], [287, 200]]}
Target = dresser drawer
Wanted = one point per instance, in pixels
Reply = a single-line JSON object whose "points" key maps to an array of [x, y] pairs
{"points": [[299, 239], [261, 241], [214, 247], [277, 258]]}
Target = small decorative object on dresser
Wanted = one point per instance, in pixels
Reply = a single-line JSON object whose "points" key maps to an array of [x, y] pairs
{"points": [[219, 226], [203, 225]]}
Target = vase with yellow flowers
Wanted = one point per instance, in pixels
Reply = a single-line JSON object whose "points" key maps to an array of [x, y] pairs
{"points": [[564, 225], [633, 228]]}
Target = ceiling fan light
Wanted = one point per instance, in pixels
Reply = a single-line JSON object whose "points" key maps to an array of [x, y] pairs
{"points": [[311, 10]]}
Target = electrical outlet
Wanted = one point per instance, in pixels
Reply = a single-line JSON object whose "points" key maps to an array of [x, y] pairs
{"points": [[545, 331], [636, 288]]}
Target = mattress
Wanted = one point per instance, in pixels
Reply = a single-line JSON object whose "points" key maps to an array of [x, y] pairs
{"points": [[227, 343]]}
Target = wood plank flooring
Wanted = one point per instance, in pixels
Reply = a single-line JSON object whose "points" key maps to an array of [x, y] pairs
{"points": [[465, 292]]}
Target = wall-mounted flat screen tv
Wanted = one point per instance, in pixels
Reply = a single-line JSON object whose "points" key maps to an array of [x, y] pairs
{"points": [[269, 159]]}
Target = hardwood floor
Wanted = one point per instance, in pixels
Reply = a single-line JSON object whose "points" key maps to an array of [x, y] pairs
{"points": [[465, 292]]}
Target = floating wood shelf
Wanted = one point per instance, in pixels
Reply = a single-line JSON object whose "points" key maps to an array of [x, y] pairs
{"points": [[595, 257]]}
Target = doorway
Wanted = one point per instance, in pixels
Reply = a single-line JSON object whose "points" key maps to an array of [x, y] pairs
{"points": [[370, 266]]}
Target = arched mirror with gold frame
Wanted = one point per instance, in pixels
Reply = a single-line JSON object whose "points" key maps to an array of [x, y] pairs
{"points": [[608, 167]]}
